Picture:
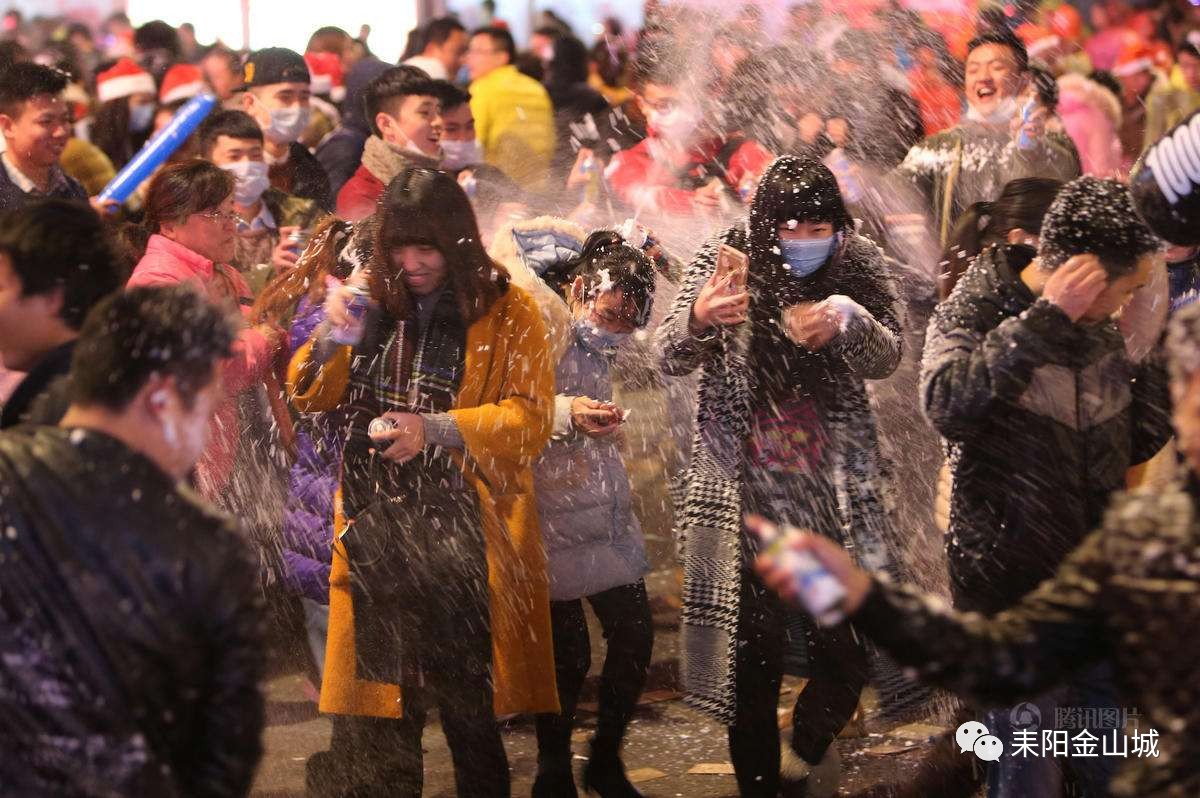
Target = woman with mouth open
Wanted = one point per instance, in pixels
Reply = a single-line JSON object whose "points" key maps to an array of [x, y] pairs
{"points": [[438, 595]]}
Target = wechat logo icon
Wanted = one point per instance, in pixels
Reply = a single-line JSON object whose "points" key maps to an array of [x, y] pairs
{"points": [[974, 736]]}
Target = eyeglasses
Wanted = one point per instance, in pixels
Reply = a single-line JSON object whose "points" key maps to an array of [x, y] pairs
{"points": [[223, 216]]}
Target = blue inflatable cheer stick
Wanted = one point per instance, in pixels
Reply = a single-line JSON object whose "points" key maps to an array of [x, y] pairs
{"points": [[159, 148]]}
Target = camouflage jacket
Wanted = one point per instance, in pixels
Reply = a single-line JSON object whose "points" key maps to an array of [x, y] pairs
{"points": [[1130, 594], [972, 162]]}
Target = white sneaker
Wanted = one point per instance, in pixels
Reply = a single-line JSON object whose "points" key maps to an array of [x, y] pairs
{"points": [[820, 780]]}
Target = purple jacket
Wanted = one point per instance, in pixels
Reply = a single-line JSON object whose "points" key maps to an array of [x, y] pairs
{"points": [[308, 515]]}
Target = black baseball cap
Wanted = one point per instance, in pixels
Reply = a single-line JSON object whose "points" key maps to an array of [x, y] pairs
{"points": [[274, 65]]}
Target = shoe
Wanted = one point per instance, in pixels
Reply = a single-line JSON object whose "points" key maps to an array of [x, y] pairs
{"points": [[554, 781], [604, 775], [799, 779]]}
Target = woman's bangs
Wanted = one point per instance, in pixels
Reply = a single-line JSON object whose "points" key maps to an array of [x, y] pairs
{"points": [[412, 229]]}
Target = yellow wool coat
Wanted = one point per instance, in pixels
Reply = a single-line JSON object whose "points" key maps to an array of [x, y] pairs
{"points": [[504, 411]]}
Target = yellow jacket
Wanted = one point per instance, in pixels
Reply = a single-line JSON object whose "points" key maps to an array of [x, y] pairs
{"points": [[514, 122], [504, 412], [88, 164]]}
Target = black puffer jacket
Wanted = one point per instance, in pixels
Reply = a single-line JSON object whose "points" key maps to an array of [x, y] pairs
{"points": [[130, 625], [1042, 417]]}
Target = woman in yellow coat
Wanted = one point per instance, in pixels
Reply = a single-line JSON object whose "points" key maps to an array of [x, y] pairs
{"points": [[438, 579]]}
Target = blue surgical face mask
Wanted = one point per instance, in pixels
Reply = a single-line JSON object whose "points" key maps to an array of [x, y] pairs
{"points": [[600, 341], [804, 256], [141, 117]]}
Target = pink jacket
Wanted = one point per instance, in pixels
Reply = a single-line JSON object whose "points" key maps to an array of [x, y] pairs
{"points": [[168, 263], [1091, 116]]}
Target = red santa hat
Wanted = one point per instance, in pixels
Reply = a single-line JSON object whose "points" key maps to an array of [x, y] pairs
{"points": [[1135, 57], [123, 79], [327, 76], [182, 82]]}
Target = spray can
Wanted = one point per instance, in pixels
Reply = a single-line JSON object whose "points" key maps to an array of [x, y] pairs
{"points": [[298, 240], [746, 189], [380, 426], [356, 309], [467, 182], [819, 590], [840, 165], [1024, 142]]}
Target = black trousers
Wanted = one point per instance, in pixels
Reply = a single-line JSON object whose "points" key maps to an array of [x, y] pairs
{"points": [[838, 673], [624, 614], [422, 620], [377, 757]]}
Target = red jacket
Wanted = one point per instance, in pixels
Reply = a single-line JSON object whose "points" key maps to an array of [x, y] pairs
{"points": [[168, 263], [643, 177], [357, 199]]}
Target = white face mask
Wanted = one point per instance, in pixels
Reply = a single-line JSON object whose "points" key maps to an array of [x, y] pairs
{"points": [[1003, 114], [141, 117], [252, 181], [287, 124], [675, 126], [461, 154]]}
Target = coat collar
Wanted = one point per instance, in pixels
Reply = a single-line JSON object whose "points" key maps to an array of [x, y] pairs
{"points": [[197, 264]]}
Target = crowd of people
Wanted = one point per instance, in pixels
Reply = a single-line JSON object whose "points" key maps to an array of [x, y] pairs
{"points": [[344, 384]]}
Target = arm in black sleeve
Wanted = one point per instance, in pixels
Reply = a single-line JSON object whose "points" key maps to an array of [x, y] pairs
{"points": [[872, 341], [964, 370]]}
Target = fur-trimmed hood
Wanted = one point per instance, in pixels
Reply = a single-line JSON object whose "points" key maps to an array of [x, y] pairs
{"points": [[525, 249], [1077, 90]]}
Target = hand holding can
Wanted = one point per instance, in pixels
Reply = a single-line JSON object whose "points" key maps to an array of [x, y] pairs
{"points": [[797, 573]]}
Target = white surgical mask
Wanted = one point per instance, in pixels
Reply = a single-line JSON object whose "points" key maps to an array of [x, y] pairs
{"points": [[461, 154], [141, 117], [804, 256], [600, 341], [675, 126], [1003, 114], [288, 123], [252, 181]]}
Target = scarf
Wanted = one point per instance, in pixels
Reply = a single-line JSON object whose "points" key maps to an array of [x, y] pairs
{"points": [[385, 162], [403, 367]]}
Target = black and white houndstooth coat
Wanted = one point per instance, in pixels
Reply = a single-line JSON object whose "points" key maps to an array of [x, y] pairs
{"points": [[710, 526]]}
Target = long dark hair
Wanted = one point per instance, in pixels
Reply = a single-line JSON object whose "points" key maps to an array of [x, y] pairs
{"points": [[569, 65], [792, 188], [111, 133], [1022, 203], [423, 206]]}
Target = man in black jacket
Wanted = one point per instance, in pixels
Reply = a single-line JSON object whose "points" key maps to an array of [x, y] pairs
{"points": [[277, 94], [1028, 380], [1031, 384], [130, 645], [56, 263]]}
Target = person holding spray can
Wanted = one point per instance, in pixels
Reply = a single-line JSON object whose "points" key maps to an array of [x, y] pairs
{"points": [[438, 589], [273, 230]]}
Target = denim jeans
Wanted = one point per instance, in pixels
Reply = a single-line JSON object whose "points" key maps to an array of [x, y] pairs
{"points": [[316, 622], [1035, 777]]}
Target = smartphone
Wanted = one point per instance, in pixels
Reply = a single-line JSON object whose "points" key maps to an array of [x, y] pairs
{"points": [[735, 262]]}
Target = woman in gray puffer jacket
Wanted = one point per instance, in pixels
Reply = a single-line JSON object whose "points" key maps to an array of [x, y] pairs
{"points": [[593, 539]]}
